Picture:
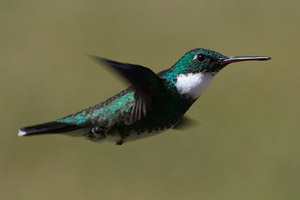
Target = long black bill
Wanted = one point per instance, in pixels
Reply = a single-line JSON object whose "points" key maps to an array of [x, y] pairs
{"points": [[234, 59]]}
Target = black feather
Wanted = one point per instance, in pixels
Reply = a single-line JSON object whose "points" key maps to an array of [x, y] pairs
{"points": [[50, 127], [144, 81]]}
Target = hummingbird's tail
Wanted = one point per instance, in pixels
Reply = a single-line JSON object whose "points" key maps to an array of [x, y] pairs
{"points": [[50, 127]]}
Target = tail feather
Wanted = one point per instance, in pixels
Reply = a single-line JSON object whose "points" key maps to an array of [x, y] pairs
{"points": [[50, 127]]}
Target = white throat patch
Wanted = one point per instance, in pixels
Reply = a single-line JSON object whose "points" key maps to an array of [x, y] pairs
{"points": [[193, 85]]}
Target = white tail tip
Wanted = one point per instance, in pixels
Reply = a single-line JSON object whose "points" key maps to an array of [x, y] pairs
{"points": [[21, 133]]}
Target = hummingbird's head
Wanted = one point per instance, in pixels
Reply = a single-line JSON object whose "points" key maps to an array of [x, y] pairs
{"points": [[194, 71], [208, 61], [201, 60]]}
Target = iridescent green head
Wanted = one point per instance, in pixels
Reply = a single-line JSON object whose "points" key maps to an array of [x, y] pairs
{"points": [[207, 61], [192, 74]]}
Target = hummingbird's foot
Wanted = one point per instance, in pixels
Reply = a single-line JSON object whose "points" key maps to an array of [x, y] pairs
{"points": [[184, 123], [120, 142], [97, 133]]}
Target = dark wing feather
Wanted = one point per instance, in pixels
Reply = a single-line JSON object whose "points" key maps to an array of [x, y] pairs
{"points": [[144, 81]]}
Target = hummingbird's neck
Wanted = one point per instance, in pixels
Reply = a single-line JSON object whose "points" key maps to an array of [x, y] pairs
{"points": [[192, 85]]}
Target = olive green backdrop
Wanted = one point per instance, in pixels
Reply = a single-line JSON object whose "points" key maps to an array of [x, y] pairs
{"points": [[245, 146]]}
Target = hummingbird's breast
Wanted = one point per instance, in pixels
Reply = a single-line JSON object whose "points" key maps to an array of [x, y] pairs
{"points": [[167, 110]]}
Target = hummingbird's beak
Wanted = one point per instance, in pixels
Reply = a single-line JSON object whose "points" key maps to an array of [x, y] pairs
{"points": [[234, 59]]}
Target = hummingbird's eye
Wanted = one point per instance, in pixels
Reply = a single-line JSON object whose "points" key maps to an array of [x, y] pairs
{"points": [[201, 57]]}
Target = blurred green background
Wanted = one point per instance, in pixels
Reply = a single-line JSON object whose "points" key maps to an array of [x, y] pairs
{"points": [[245, 146]]}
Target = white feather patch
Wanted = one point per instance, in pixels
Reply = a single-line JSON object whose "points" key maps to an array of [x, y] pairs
{"points": [[21, 133], [193, 85]]}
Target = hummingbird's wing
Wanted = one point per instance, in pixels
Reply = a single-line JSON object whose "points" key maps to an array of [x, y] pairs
{"points": [[144, 81]]}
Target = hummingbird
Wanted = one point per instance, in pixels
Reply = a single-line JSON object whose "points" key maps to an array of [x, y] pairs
{"points": [[152, 103]]}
